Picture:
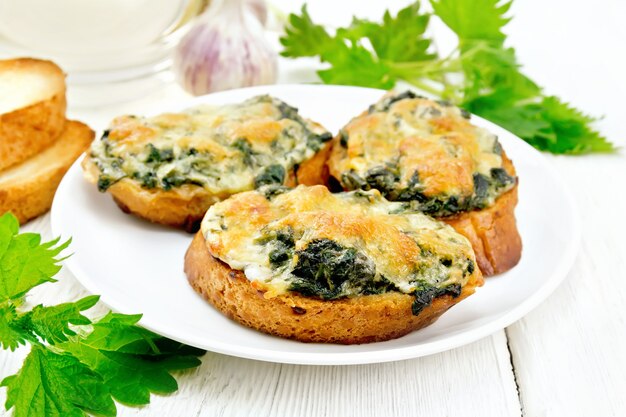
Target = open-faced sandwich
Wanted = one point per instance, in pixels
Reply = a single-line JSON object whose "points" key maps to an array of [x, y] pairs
{"points": [[427, 155], [171, 168], [313, 266]]}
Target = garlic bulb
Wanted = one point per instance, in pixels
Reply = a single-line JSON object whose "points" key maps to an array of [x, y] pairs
{"points": [[225, 49], [259, 9]]}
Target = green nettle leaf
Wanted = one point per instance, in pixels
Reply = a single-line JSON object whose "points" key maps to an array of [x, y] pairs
{"points": [[474, 19], [56, 385], [525, 121], [118, 332], [9, 226], [547, 124], [365, 70], [24, 261], [493, 72], [133, 362], [52, 323], [303, 37], [399, 39], [11, 335], [572, 129], [132, 377], [361, 54], [75, 367]]}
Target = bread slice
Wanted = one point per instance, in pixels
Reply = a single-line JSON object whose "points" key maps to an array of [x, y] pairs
{"points": [[181, 207], [32, 108], [184, 207], [361, 319], [27, 189], [493, 231], [412, 148], [170, 168]]}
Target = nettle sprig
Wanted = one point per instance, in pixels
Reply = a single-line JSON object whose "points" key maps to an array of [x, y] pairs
{"points": [[482, 74], [76, 366]]}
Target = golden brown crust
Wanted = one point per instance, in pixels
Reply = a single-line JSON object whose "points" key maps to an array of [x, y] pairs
{"points": [[185, 206], [493, 231], [41, 65], [182, 207], [363, 319], [26, 131], [375, 139], [27, 189]]}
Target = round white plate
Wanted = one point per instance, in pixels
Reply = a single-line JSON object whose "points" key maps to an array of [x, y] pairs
{"points": [[137, 267]]}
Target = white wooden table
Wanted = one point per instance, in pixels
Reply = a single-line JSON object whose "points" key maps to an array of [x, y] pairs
{"points": [[566, 358]]}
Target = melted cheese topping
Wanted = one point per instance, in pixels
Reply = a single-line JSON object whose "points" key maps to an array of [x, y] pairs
{"points": [[408, 250], [420, 145], [223, 149]]}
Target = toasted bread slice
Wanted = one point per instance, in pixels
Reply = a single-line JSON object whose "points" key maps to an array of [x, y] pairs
{"points": [[184, 207], [313, 266], [170, 168], [428, 153], [361, 319], [32, 108], [27, 189]]}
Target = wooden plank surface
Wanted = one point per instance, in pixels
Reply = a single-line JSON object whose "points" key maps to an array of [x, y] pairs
{"points": [[570, 353]]}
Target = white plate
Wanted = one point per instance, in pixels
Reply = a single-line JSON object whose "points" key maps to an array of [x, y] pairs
{"points": [[137, 267]]}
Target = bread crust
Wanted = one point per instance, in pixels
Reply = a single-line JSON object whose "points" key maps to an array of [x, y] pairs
{"points": [[27, 189], [493, 231], [363, 319], [27, 131], [312, 171], [185, 206], [182, 207]]}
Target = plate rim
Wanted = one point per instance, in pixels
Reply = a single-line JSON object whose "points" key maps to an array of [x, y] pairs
{"points": [[515, 313]]}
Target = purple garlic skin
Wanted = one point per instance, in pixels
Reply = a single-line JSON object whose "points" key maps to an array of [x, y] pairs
{"points": [[225, 49]]}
